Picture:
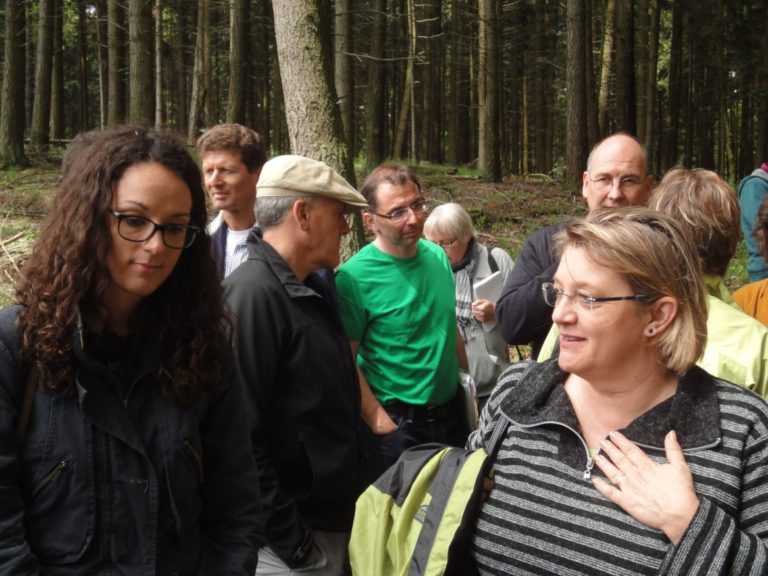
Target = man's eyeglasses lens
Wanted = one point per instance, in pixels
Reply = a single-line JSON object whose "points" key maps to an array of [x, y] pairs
{"points": [[605, 183], [139, 229], [401, 214]]}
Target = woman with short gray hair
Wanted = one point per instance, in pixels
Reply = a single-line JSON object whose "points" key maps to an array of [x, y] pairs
{"points": [[450, 226]]}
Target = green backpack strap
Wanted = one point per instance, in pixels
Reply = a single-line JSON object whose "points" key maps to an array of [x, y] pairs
{"points": [[443, 543]]}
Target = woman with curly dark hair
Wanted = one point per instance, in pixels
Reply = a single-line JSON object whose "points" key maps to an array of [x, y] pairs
{"points": [[132, 453]]}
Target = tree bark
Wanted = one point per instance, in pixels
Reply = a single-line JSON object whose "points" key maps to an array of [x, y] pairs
{"points": [[116, 59], [57, 76], [141, 106], [669, 140], [650, 88], [102, 52], [642, 41], [375, 120], [625, 68], [343, 69], [159, 67], [199, 74], [82, 68], [576, 133], [489, 160], [41, 107], [609, 33], [304, 49], [12, 107], [405, 103], [238, 60]]}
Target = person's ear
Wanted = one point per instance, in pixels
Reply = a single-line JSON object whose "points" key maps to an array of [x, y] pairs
{"points": [[368, 220], [300, 212], [662, 313], [584, 184]]}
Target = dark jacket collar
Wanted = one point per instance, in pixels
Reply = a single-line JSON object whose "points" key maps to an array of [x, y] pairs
{"points": [[693, 412]]}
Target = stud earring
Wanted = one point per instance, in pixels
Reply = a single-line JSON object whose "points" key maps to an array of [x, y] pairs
{"points": [[650, 331]]}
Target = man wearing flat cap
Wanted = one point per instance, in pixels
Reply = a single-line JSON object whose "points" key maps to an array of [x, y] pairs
{"points": [[295, 365]]}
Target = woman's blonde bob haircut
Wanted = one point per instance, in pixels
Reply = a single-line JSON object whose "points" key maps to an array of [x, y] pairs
{"points": [[449, 219], [653, 254]]}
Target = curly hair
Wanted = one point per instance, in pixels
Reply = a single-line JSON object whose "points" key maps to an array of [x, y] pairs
{"points": [[66, 273]]}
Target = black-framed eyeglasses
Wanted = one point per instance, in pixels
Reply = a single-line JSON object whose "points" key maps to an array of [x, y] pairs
{"points": [[605, 183], [582, 300], [399, 214], [139, 229]]}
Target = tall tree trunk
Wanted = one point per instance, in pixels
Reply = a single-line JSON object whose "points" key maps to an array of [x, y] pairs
{"points": [[650, 88], [30, 41], [625, 115], [543, 88], [375, 120], [593, 128], [82, 68], [141, 106], [304, 49], [642, 41], [238, 60], [103, 59], [402, 117], [184, 18], [57, 76], [669, 140], [199, 75], [159, 68], [116, 57], [489, 160], [513, 111], [343, 69], [431, 72], [609, 34], [454, 58], [41, 108], [576, 132], [12, 106]]}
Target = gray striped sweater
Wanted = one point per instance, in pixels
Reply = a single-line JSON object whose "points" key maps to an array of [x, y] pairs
{"points": [[544, 516]]}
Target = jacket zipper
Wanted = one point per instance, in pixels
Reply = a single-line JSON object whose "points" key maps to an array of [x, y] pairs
{"points": [[197, 460], [52, 475], [590, 461]]}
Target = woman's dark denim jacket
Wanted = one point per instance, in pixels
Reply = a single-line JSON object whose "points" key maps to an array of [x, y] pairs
{"points": [[132, 485]]}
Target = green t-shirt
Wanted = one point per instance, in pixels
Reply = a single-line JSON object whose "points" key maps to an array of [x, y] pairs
{"points": [[403, 313]]}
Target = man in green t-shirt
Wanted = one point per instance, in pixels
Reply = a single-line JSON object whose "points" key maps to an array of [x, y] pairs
{"points": [[397, 302]]}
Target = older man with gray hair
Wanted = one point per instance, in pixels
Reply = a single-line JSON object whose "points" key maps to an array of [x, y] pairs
{"points": [[295, 365]]}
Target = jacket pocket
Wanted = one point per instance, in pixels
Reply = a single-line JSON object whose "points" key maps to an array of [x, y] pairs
{"points": [[60, 510]]}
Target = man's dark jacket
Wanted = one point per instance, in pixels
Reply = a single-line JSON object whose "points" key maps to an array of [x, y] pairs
{"points": [[298, 374], [521, 312]]}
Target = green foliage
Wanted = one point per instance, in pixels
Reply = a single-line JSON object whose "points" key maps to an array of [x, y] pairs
{"points": [[736, 276]]}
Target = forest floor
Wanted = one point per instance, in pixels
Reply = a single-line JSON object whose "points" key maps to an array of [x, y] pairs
{"points": [[504, 214]]}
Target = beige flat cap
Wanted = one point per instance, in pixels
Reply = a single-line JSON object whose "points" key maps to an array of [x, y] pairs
{"points": [[292, 175]]}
